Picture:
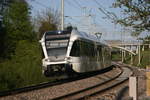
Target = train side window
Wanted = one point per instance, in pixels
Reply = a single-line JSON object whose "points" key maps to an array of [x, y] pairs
{"points": [[82, 48], [100, 49], [75, 51], [87, 49]]}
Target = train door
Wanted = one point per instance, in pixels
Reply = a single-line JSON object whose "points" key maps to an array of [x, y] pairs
{"points": [[106, 56], [103, 56], [100, 56]]}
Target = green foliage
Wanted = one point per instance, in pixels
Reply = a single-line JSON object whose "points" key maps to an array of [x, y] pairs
{"points": [[146, 40], [17, 22], [116, 57], [145, 58], [27, 57], [17, 26], [9, 78], [20, 57], [137, 14], [2, 43], [24, 69]]}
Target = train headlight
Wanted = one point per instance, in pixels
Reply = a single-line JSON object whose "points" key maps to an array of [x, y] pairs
{"points": [[68, 58], [47, 59]]}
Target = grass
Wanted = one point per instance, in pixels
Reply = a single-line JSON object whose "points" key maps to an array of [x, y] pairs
{"points": [[145, 59], [24, 68]]}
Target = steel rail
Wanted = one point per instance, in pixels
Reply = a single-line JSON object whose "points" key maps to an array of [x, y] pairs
{"points": [[49, 84], [86, 89], [69, 96]]}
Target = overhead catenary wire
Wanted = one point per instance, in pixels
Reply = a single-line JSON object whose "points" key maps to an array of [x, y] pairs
{"points": [[76, 21], [102, 10], [74, 4], [105, 12], [71, 4], [41, 4], [77, 3]]}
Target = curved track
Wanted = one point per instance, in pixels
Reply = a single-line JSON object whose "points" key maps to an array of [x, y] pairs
{"points": [[53, 83], [76, 88], [90, 91]]}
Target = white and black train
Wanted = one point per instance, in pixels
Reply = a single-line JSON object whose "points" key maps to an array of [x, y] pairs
{"points": [[66, 51]]}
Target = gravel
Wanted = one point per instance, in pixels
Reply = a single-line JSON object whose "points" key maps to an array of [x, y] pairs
{"points": [[63, 89], [140, 74]]}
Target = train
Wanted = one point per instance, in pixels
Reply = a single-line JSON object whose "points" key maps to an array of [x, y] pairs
{"points": [[73, 51]]}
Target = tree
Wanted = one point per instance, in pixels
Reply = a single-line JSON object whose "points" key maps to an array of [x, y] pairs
{"points": [[48, 20], [3, 8], [20, 53], [137, 14], [17, 21], [17, 26]]}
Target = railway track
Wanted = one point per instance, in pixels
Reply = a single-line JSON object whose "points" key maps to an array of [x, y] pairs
{"points": [[73, 89], [96, 89], [49, 84]]}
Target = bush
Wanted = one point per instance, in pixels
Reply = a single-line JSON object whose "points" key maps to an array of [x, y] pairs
{"points": [[24, 68]]}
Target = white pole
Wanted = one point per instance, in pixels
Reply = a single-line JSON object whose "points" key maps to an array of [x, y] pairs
{"points": [[131, 55], [139, 55], [62, 14], [133, 85], [122, 55]]}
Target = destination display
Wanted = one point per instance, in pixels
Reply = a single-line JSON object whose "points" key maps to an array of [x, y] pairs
{"points": [[52, 37], [56, 43]]}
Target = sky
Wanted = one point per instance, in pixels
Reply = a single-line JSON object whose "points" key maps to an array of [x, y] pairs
{"points": [[78, 9]]}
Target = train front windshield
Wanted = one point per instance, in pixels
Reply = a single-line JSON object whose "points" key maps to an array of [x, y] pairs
{"points": [[56, 45]]}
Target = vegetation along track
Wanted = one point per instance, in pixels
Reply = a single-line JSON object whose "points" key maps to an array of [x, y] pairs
{"points": [[76, 89], [53, 83]]}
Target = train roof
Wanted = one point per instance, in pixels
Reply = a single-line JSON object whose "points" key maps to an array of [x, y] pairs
{"points": [[57, 32], [75, 34]]}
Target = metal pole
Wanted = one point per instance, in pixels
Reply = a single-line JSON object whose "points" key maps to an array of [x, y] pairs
{"points": [[139, 55], [62, 14], [131, 56], [125, 52], [143, 48], [122, 56]]}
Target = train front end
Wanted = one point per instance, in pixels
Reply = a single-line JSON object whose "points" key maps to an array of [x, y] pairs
{"points": [[54, 45]]}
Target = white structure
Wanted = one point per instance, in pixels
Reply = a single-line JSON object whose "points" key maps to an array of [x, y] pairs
{"points": [[133, 88]]}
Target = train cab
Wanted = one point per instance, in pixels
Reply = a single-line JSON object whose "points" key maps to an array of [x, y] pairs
{"points": [[54, 45]]}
